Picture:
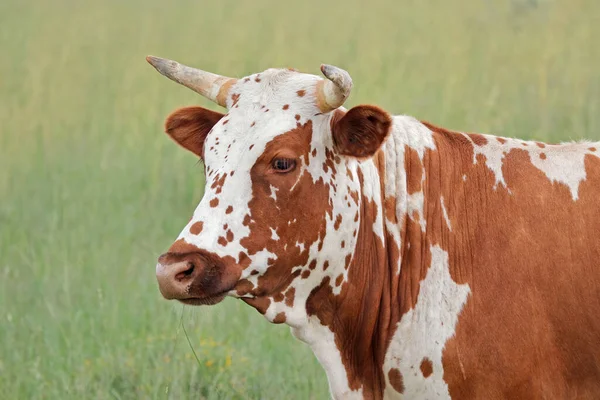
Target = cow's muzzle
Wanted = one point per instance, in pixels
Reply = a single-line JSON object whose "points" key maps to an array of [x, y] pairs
{"points": [[194, 278]]}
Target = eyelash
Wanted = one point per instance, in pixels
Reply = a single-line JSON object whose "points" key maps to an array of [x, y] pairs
{"points": [[283, 165]]}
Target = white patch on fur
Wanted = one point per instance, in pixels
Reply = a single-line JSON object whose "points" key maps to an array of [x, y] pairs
{"points": [[274, 192], [423, 332], [274, 234], [564, 163], [322, 341], [445, 213]]}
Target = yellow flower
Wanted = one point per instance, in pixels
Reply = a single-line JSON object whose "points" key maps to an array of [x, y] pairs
{"points": [[228, 361], [209, 363]]}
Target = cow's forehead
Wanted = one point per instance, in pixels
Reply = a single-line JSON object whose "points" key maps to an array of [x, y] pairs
{"points": [[272, 86], [261, 107]]}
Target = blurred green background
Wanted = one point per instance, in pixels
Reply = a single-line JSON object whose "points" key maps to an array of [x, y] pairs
{"points": [[92, 191]]}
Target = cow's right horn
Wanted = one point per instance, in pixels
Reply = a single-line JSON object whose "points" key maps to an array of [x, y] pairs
{"points": [[212, 86]]}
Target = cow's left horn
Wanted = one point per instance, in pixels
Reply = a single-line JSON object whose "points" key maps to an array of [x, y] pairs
{"points": [[212, 86], [333, 92]]}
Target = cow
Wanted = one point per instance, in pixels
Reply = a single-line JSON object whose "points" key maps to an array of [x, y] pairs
{"points": [[415, 261]]}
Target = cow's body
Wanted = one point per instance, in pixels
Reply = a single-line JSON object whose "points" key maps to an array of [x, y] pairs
{"points": [[418, 263], [488, 283]]}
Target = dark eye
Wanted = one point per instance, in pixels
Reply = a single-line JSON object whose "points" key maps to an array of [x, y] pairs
{"points": [[283, 164]]}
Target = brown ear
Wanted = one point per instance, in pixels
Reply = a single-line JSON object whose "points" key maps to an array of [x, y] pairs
{"points": [[361, 131], [189, 126]]}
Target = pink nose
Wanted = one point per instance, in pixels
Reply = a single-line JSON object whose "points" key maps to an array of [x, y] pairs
{"points": [[175, 278]]}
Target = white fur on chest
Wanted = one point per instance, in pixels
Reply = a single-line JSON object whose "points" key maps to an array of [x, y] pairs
{"points": [[423, 332]]}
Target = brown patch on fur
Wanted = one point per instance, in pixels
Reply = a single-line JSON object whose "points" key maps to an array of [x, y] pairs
{"points": [[196, 228], [338, 222], [289, 297], [426, 367], [229, 210], [279, 318], [396, 380], [414, 170], [543, 156], [286, 106], [234, 99], [478, 139], [301, 93], [214, 202]]}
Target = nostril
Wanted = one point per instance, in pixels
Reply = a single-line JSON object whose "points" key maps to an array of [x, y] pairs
{"points": [[187, 272]]}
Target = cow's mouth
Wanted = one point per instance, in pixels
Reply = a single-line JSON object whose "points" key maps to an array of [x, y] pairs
{"points": [[205, 300]]}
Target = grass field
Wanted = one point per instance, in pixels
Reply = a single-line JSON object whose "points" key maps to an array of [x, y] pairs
{"points": [[92, 191]]}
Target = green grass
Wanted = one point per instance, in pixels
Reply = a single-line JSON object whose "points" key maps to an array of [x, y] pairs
{"points": [[91, 191]]}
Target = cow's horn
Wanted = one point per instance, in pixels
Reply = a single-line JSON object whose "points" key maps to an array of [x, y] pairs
{"points": [[213, 87], [334, 91]]}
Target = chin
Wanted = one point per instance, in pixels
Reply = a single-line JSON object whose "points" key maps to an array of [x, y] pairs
{"points": [[203, 301]]}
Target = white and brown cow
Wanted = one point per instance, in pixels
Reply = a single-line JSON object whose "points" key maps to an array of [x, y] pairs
{"points": [[416, 262]]}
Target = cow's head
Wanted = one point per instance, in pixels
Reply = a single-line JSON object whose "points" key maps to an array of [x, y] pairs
{"points": [[281, 208]]}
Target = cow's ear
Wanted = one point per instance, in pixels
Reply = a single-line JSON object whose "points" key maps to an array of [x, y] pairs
{"points": [[361, 131], [189, 126]]}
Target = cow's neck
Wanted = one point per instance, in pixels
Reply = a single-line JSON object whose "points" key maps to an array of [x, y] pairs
{"points": [[363, 317]]}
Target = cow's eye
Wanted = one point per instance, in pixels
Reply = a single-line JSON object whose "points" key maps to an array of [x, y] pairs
{"points": [[283, 164]]}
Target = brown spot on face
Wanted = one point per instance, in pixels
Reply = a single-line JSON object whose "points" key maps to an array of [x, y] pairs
{"points": [[592, 149], [251, 125], [251, 146], [540, 144], [289, 297], [396, 380], [325, 265], [222, 241], [196, 228], [229, 210], [313, 264], [426, 367], [543, 156], [286, 106], [229, 236], [257, 79], [214, 202], [247, 220], [278, 297], [297, 117], [279, 318], [301, 93], [234, 99], [305, 274], [225, 122], [339, 279], [343, 244]]}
